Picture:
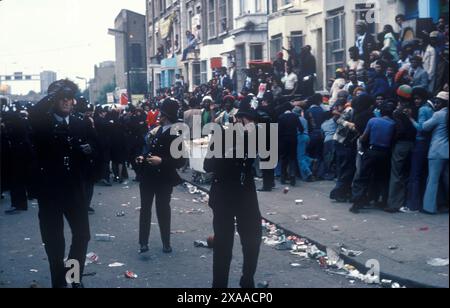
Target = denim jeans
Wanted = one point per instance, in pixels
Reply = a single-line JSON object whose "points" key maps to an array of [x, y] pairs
{"points": [[418, 175], [304, 161], [438, 168]]}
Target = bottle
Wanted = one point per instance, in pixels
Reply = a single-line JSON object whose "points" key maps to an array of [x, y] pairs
{"points": [[104, 238]]}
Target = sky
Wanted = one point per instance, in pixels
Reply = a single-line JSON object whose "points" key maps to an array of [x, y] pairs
{"points": [[65, 36]]}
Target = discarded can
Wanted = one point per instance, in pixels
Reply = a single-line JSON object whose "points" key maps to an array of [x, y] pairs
{"points": [[335, 228], [299, 202], [130, 275], [92, 257], [395, 285], [104, 238], [210, 241], [120, 214], [323, 262], [116, 264], [312, 217], [286, 190], [201, 244]]}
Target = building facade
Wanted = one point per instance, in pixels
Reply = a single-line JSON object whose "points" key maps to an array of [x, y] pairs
{"points": [[47, 78], [241, 31], [226, 31], [131, 59], [104, 76], [328, 26]]}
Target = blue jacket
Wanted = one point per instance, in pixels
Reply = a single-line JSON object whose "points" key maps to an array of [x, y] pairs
{"points": [[380, 86], [420, 78], [439, 141], [425, 113]]}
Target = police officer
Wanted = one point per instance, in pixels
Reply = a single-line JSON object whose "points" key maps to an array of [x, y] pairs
{"points": [[63, 153], [158, 175], [20, 157], [233, 198], [266, 115]]}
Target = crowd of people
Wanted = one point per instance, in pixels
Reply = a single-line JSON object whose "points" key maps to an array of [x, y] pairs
{"points": [[381, 133]]}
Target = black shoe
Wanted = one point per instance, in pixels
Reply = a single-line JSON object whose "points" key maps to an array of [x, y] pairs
{"points": [[14, 210], [427, 213], [106, 183], [311, 179], [265, 189], [77, 285], [293, 181], [167, 249], [247, 283], [91, 210], [391, 211], [144, 249], [354, 209], [283, 181]]}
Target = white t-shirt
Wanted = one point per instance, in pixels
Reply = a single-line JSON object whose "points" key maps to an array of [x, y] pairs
{"points": [[290, 81]]}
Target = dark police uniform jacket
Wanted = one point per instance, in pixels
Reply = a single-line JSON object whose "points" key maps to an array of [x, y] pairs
{"points": [[233, 182], [158, 144], [62, 165]]}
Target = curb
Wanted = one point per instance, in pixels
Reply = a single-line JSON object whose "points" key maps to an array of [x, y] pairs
{"points": [[358, 265]]}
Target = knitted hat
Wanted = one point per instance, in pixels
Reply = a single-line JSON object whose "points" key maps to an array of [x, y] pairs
{"points": [[405, 91]]}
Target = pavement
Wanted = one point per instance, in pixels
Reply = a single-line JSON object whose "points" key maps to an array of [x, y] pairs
{"points": [[23, 262], [402, 244]]}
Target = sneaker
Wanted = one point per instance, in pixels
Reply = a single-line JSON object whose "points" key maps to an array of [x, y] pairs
{"points": [[407, 210]]}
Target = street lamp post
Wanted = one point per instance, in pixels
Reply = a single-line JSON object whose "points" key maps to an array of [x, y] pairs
{"points": [[85, 81], [127, 63]]}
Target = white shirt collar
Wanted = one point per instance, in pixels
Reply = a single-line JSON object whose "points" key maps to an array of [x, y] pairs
{"points": [[61, 119], [166, 127]]}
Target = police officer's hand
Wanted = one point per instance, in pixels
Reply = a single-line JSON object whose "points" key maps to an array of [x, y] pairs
{"points": [[154, 160], [140, 159], [86, 149]]}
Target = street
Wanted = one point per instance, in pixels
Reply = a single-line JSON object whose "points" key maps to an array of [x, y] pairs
{"points": [[23, 261]]}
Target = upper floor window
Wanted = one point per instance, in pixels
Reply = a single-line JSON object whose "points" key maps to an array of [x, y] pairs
{"points": [[212, 18]]}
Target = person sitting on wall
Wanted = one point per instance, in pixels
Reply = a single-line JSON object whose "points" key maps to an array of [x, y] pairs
{"points": [[191, 44]]}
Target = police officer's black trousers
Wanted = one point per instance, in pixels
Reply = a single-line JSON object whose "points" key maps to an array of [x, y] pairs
{"points": [[345, 171], [162, 195], [374, 174], [51, 220], [89, 191], [288, 156], [18, 185], [268, 178], [248, 220]]}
